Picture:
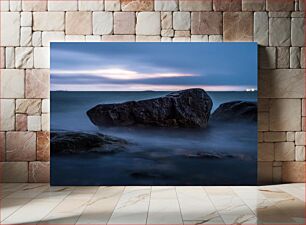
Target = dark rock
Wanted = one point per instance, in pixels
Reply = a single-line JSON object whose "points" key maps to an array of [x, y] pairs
{"points": [[187, 108], [236, 111], [75, 142]]}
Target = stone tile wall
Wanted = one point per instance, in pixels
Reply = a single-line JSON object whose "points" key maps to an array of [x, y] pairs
{"points": [[28, 27]]}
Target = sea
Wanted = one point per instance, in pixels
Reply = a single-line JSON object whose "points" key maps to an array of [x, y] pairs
{"points": [[156, 156]]}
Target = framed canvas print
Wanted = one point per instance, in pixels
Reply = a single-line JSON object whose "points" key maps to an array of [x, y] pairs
{"points": [[153, 113]]}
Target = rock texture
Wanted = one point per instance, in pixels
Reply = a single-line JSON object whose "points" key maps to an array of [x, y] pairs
{"points": [[187, 108], [236, 111], [75, 142]]}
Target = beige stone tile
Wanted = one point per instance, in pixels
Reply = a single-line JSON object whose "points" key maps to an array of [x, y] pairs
{"points": [[181, 39], [291, 136], [253, 5], [215, 38], [297, 32], [260, 136], [91, 5], [78, 23], [34, 5], [142, 27], [93, 38], [293, 172], [34, 123], [118, 38], [204, 5], [21, 122], [295, 57], [164, 206], [263, 105], [75, 38], [25, 36], [199, 38], [37, 83], [273, 5], [166, 39], [2, 57], [206, 23], [277, 174], [58, 5], [39, 172], [10, 28], [9, 206], [102, 22], [170, 5], [10, 57], [300, 153], [267, 57], [283, 57], [227, 5], [7, 114], [41, 57], [275, 136], [261, 28], [181, 21], [137, 5], [279, 14], [5, 6], [20, 146], [279, 32], [264, 175], [134, 199], [48, 21], [14, 171], [112, 5], [43, 146], [303, 58], [26, 19], [28, 106], [284, 151], [238, 26], [2, 146], [45, 122], [281, 83], [182, 33], [37, 38], [285, 115], [45, 106], [263, 121], [143, 38], [24, 57], [167, 33], [300, 138], [52, 36], [124, 22], [100, 208], [15, 6], [195, 205], [12, 83], [166, 20], [265, 152]]}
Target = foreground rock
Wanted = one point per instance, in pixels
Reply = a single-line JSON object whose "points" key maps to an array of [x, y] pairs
{"points": [[236, 111], [75, 142], [188, 108]]}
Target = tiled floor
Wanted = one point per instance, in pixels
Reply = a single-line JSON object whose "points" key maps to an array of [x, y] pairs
{"points": [[42, 204]]}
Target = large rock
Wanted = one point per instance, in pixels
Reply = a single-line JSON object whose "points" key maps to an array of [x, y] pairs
{"points": [[236, 111], [188, 108], [76, 142]]}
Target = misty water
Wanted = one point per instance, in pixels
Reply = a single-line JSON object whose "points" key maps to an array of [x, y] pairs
{"points": [[154, 156]]}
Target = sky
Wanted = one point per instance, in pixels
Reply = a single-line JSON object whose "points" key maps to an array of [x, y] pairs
{"points": [[153, 66]]}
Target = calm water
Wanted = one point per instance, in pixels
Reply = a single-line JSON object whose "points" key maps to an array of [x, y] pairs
{"points": [[155, 156]]}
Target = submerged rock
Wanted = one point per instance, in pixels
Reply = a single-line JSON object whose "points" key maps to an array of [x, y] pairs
{"points": [[236, 111], [188, 108], [218, 155], [76, 142]]}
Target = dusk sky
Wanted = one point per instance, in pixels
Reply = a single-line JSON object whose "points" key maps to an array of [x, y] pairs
{"points": [[153, 66]]}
